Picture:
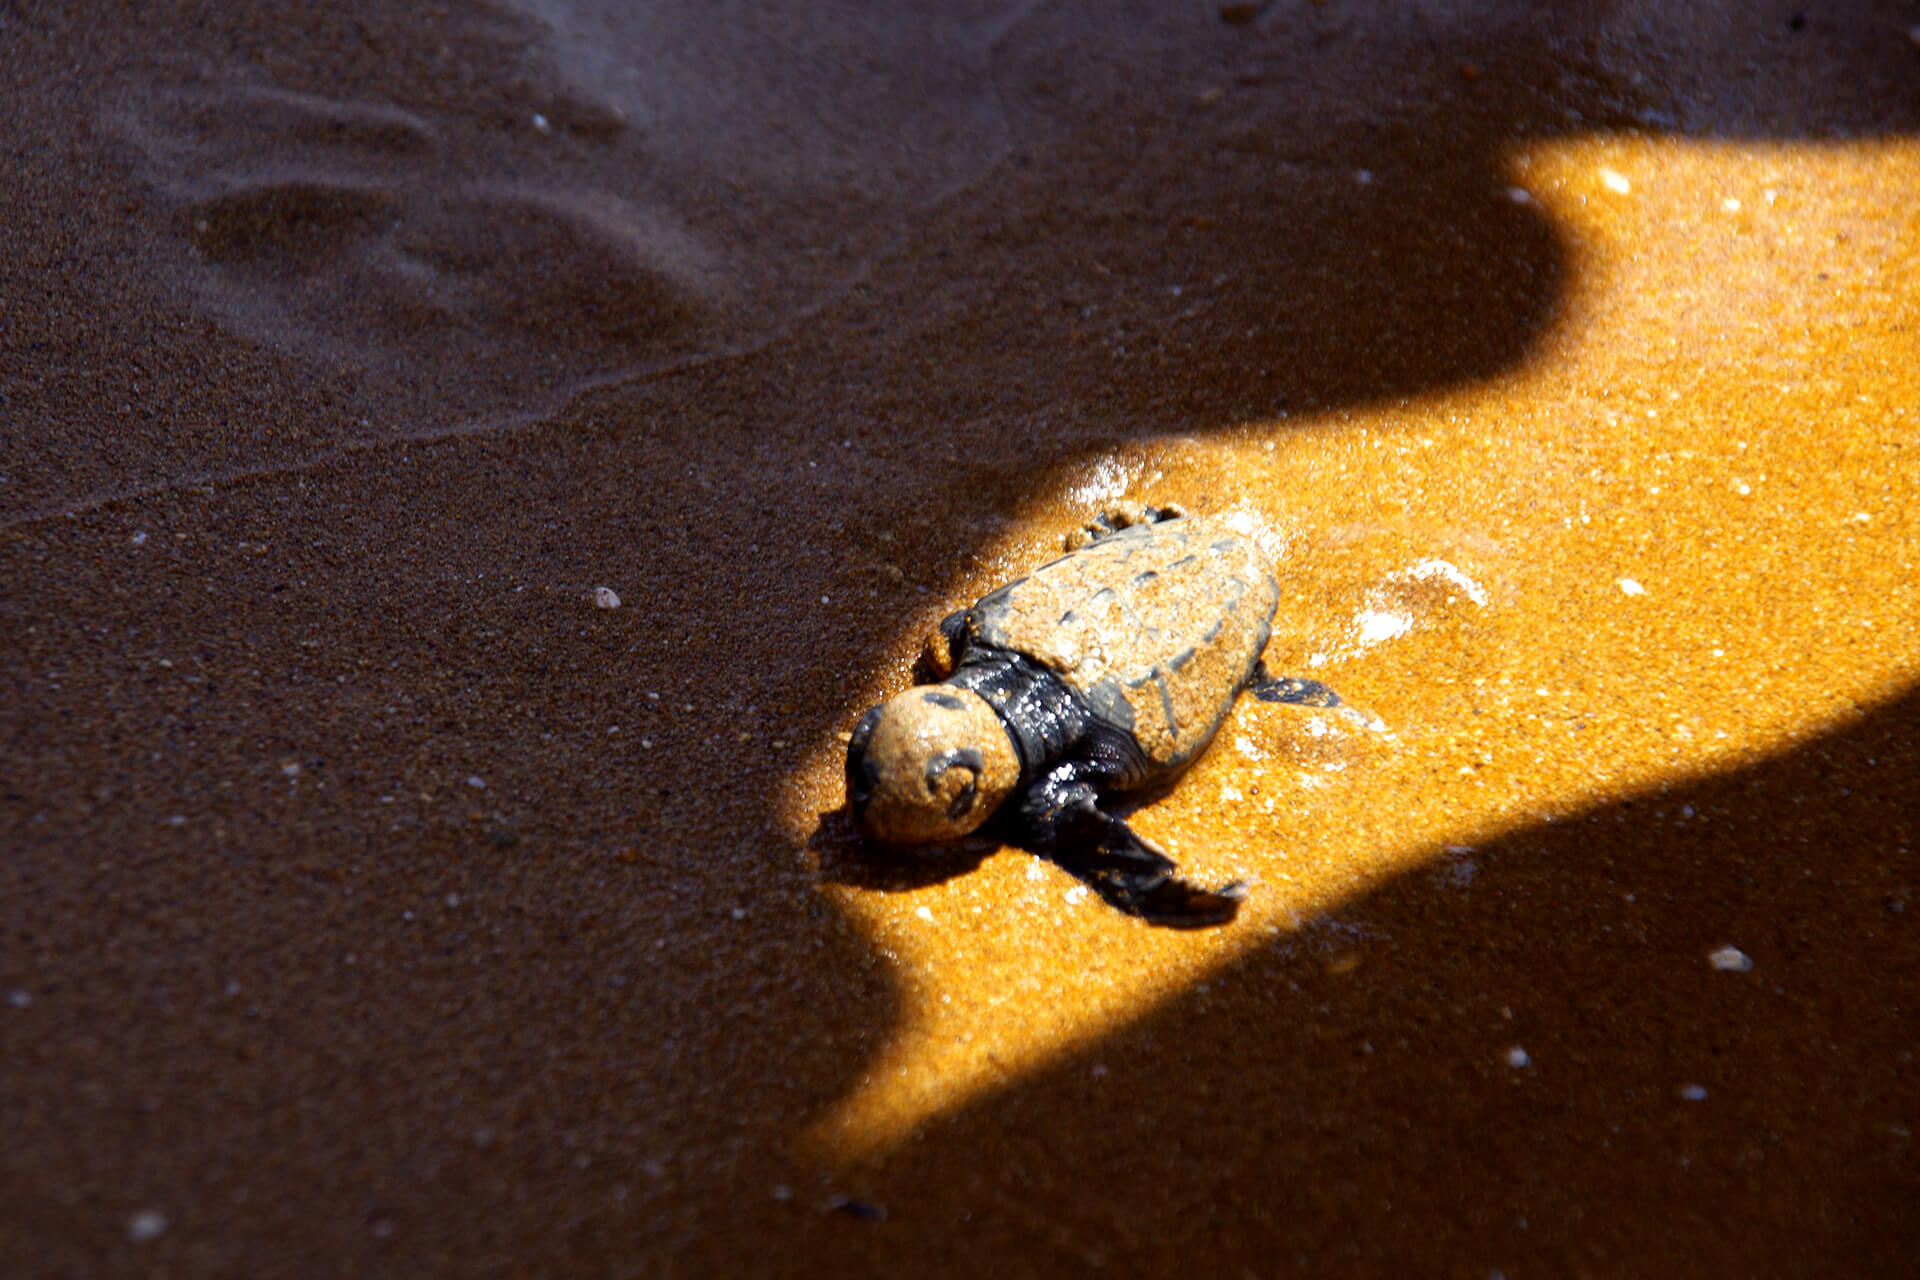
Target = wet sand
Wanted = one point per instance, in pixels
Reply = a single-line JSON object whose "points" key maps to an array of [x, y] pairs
{"points": [[376, 902]]}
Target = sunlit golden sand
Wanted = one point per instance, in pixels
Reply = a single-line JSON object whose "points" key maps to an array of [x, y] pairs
{"points": [[1608, 572]]}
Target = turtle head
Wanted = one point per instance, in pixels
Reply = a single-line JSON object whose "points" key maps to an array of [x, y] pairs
{"points": [[929, 765]]}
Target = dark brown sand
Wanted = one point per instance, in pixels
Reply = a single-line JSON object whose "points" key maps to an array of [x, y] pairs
{"points": [[374, 903]]}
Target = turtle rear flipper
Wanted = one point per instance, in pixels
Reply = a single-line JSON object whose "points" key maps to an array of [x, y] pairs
{"points": [[1123, 515], [1295, 690]]}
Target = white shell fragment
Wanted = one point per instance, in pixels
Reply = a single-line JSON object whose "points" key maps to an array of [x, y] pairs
{"points": [[605, 598], [1731, 960]]}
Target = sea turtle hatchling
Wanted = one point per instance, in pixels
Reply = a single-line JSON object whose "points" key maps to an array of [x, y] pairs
{"points": [[1105, 671]]}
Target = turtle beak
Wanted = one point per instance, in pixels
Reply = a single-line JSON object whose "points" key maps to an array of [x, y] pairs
{"points": [[863, 772]]}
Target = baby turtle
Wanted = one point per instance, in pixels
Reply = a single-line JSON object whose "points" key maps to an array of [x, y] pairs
{"points": [[1107, 670]]}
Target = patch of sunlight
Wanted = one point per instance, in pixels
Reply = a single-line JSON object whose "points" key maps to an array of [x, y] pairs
{"points": [[1721, 417]]}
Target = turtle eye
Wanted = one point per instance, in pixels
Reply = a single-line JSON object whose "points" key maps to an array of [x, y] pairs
{"points": [[954, 776]]}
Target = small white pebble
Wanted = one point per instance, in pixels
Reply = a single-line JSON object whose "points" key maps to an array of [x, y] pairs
{"points": [[20, 999], [605, 598], [291, 768], [1231, 794], [1379, 625], [1730, 204], [1519, 195], [477, 782], [452, 899], [1731, 960], [1517, 1057], [1692, 1092], [1077, 894], [1034, 872], [739, 913], [140, 538], [177, 820], [541, 123], [1630, 588], [1615, 181], [924, 913], [148, 1224]]}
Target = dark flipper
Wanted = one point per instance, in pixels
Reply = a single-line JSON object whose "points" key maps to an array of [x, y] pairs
{"points": [[1297, 690], [1121, 872], [1121, 516], [1060, 820]]}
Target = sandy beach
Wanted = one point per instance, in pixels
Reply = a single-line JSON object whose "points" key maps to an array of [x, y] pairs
{"points": [[375, 900]]}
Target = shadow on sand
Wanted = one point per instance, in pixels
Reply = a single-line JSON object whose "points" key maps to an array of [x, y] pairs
{"points": [[1366, 1102]]}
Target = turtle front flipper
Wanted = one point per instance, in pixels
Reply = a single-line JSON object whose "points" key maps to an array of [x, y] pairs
{"points": [[1061, 820], [940, 653], [1132, 874]]}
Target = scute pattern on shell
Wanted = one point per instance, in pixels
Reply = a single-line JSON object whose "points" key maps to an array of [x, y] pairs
{"points": [[1156, 626]]}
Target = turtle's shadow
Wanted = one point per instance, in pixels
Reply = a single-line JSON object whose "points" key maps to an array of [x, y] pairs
{"points": [[845, 858]]}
